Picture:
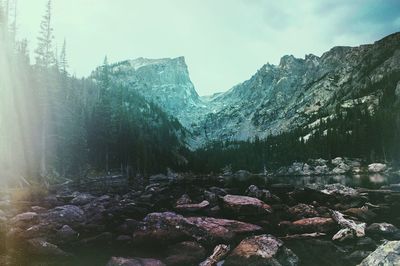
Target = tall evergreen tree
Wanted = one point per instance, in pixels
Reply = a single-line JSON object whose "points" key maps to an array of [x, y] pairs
{"points": [[44, 51], [63, 62]]}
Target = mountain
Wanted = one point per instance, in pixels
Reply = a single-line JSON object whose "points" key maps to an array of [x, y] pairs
{"points": [[164, 82], [299, 92]]}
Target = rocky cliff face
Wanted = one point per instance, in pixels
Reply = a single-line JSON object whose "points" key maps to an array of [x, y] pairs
{"points": [[298, 91], [165, 82], [278, 98]]}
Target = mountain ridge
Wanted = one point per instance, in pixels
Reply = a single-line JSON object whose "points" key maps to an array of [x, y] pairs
{"points": [[277, 98]]}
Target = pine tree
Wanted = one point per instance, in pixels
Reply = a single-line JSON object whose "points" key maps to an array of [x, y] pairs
{"points": [[63, 59], [44, 51]]}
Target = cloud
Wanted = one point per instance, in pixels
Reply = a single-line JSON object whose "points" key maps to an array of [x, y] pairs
{"points": [[224, 41]]}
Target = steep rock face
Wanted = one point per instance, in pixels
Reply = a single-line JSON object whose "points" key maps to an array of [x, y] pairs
{"points": [[164, 82], [280, 98]]}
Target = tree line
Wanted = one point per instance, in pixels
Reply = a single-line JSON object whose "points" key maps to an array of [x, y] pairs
{"points": [[356, 132], [53, 124]]}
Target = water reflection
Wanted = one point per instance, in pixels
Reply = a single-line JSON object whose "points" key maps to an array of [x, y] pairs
{"points": [[372, 181]]}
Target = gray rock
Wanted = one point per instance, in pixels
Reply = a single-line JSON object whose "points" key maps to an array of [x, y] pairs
{"points": [[119, 261], [41, 247], [82, 199], [25, 219], [65, 215], [66, 234], [387, 254], [383, 229], [242, 175], [341, 168], [376, 167], [301, 211], [184, 199]]}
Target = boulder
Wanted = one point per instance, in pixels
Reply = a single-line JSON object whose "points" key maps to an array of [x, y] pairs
{"points": [[185, 253], [66, 234], [339, 189], [311, 225], [376, 167], [254, 191], [363, 213], [184, 199], [25, 219], [245, 206], [382, 229], [242, 175], [219, 252], [321, 170], [168, 227], [82, 199], [341, 168], [261, 194], [221, 229], [301, 211], [162, 228], [261, 250], [337, 161], [65, 215], [15, 234], [119, 261], [385, 255], [40, 247]]}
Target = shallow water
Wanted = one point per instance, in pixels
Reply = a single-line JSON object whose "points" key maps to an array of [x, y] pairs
{"points": [[368, 181]]}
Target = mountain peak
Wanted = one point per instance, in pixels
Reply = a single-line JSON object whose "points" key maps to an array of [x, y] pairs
{"points": [[141, 61]]}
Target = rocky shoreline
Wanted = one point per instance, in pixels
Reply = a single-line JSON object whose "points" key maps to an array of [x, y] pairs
{"points": [[183, 220]]}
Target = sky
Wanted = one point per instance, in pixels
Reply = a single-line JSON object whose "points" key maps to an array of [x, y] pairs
{"points": [[224, 42]]}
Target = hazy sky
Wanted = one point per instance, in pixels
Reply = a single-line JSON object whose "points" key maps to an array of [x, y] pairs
{"points": [[224, 41]]}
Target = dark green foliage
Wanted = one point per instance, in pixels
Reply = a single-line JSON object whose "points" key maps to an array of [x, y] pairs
{"points": [[67, 127], [124, 130], [354, 132]]}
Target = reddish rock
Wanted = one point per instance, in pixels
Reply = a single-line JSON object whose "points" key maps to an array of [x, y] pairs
{"points": [[222, 228], [261, 250], [245, 206], [168, 227], [311, 225]]}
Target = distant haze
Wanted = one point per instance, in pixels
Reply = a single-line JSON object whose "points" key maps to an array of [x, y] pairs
{"points": [[224, 41]]}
